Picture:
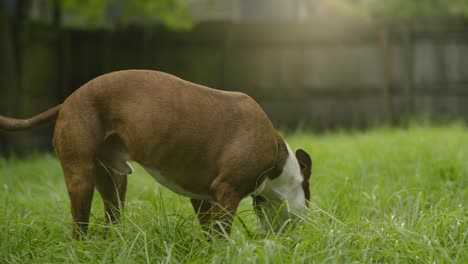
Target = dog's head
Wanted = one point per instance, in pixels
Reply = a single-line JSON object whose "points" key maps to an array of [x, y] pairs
{"points": [[286, 196]]}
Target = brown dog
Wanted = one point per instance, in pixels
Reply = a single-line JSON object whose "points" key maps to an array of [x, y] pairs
{"points": [[213, 146]]}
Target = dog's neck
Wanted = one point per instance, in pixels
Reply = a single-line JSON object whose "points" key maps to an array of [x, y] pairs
{"points": [[284, 184]]}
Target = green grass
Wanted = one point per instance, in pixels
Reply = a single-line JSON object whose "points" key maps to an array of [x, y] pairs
{"points": [[385, 196]]}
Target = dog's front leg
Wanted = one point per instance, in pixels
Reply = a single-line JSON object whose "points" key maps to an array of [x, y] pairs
{"points": [[203, 208], [226, 201]]}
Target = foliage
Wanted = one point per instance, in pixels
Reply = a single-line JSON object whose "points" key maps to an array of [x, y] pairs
{"points": [[391, 9], [172, 13], [384, 196]]}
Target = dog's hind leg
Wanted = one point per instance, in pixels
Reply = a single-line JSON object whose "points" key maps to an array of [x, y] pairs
{"points": [[80, 185], [75, 141], [112, 188]]}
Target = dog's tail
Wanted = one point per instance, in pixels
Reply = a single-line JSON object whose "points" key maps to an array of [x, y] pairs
{"points": [[12, 124]]}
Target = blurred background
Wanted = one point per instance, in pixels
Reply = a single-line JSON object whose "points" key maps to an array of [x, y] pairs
{"points": [[313, 64]]}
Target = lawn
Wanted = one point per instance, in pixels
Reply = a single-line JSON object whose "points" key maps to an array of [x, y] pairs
{"points": [[385, 196]]}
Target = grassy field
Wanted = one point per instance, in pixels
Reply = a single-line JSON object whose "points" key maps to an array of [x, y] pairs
{"points": [[385, 196]]}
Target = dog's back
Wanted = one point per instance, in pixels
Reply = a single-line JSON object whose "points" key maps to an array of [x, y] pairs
{"points": [[187, 132]]}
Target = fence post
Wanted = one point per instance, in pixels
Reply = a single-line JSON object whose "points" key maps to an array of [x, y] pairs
{"points": [[408, 73], [386, 63], [226, 48]]}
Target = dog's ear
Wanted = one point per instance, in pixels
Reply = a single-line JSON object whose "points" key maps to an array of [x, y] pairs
{"points": [[305, 162]]}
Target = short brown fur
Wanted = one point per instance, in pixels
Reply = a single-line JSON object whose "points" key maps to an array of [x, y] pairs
{"points": [[209, 142]]}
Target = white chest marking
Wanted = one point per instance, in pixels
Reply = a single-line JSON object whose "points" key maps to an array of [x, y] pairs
{"points": [[287, 186], [173, 186]]}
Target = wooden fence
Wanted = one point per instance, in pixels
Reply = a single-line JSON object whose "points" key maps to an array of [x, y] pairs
{"points": [[318, 74]]}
